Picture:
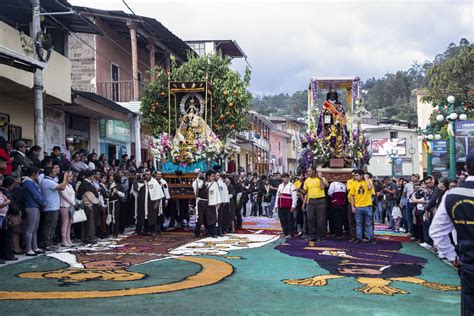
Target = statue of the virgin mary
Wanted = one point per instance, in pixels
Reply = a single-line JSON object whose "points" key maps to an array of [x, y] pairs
{"points": [[193, 129]]}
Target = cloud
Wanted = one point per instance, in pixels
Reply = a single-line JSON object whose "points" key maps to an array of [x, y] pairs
{"points": [[289, 42]]}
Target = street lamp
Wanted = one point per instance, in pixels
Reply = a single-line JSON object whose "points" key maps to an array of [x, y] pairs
{"points": [[451, 117], [427, 137], [393, 155]]}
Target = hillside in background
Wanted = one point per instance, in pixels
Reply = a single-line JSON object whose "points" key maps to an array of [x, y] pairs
{"points": [[391, 96]]}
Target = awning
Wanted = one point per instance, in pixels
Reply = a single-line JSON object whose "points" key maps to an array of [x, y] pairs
{"points": [[20, 61], [92, 105], [19, 12]]}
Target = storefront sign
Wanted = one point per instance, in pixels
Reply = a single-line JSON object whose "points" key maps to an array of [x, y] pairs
{"points": [[439, 155], [464, 131], [115, 130], [464, 128]]}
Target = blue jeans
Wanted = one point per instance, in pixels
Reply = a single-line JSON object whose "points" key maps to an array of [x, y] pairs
{"points": [[408, 216], [272, 203], [390, 205], [379, 212], [363, 217]]}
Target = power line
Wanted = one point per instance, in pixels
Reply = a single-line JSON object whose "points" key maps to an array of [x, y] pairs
{"points": [[87, 44], [106, 35]]}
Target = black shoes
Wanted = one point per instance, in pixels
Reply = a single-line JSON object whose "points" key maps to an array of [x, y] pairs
{"points": [[11, 259]]}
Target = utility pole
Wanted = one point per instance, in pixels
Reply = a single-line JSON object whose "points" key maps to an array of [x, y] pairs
{"points": [[38, 82]]}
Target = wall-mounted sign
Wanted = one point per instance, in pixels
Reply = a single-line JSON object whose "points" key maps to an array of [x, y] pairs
{"points": [[464, 128], [385, 146], [398, 166], [115, 130], [439, 155]]}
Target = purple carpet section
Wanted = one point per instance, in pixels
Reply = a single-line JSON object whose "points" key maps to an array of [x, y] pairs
{"points": [[348, 259]]}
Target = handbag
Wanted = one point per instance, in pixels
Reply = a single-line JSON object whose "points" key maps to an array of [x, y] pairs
{"points": [[13, 220], [285, 201], [79, 216]]}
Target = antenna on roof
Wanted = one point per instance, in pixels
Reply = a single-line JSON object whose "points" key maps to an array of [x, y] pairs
{"points": [[128, 7]]}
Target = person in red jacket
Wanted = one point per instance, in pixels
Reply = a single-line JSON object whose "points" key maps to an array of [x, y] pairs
{"points": [[338, 193], [4, 154]]}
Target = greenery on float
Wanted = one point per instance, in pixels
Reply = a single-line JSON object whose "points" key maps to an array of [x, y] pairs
{"points": [[231, 98]]}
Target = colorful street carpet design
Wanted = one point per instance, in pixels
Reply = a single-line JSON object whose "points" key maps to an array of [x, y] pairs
{"points": [[383, 232], [249, 273]]}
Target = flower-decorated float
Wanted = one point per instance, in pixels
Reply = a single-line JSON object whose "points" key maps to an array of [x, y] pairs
{"points": [[333, 143], [190, 145]]}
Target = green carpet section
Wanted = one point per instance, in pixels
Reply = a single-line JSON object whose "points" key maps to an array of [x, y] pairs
{"points": [[255, 288], [156, 273]]}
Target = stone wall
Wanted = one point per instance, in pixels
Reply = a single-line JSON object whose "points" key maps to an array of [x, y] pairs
{"points": [[83, 62]]}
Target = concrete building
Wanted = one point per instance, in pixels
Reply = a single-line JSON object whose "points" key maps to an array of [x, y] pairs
{"points": [[225, 48], [254, 145], [398, 140], [295, 129], [18, 66], [112, 67], [423, 111], [279, 142]]}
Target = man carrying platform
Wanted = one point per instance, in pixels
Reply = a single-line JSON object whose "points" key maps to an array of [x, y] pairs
{"points": [[208, 200]]}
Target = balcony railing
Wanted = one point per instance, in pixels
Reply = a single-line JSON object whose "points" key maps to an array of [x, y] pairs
{"points": [[118, 91]]}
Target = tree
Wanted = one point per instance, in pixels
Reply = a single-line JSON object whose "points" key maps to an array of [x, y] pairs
{"points": [[231, 98], [452, 73]]}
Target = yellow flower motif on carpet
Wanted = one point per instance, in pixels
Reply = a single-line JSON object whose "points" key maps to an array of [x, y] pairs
{"points": [[81, 275]]}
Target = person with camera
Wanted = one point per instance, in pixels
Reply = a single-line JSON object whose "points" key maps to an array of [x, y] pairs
{"points": [[49, 215]]}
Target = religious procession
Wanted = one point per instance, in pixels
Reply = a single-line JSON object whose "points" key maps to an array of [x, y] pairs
{"points": [[139, 170]]}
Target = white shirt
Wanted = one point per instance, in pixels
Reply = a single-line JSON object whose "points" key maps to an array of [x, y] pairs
{"points": [[336, 187], [214, 194], [224, 191], [67, 196], [408, 189], [441, 227], [287, 189], [164, 187]]}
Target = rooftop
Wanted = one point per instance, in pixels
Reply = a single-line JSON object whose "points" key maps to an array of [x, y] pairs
{"points": [[149, 29], [18, 14], [227, 47]]}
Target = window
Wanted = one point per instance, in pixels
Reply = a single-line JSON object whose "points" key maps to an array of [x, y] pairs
{"points": [[199, 48], [393, 135], [115, 86]]}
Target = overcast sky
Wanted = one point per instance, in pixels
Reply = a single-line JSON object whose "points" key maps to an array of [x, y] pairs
{"points": [[289, 42]]}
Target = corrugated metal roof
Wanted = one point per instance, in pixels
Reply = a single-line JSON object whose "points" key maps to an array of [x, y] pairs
{"points": [[104, 101], [132, 106], [17, 12], [176, 46]]}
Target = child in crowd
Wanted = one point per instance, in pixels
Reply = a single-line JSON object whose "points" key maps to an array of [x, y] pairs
{"points": [[397, 216]]}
